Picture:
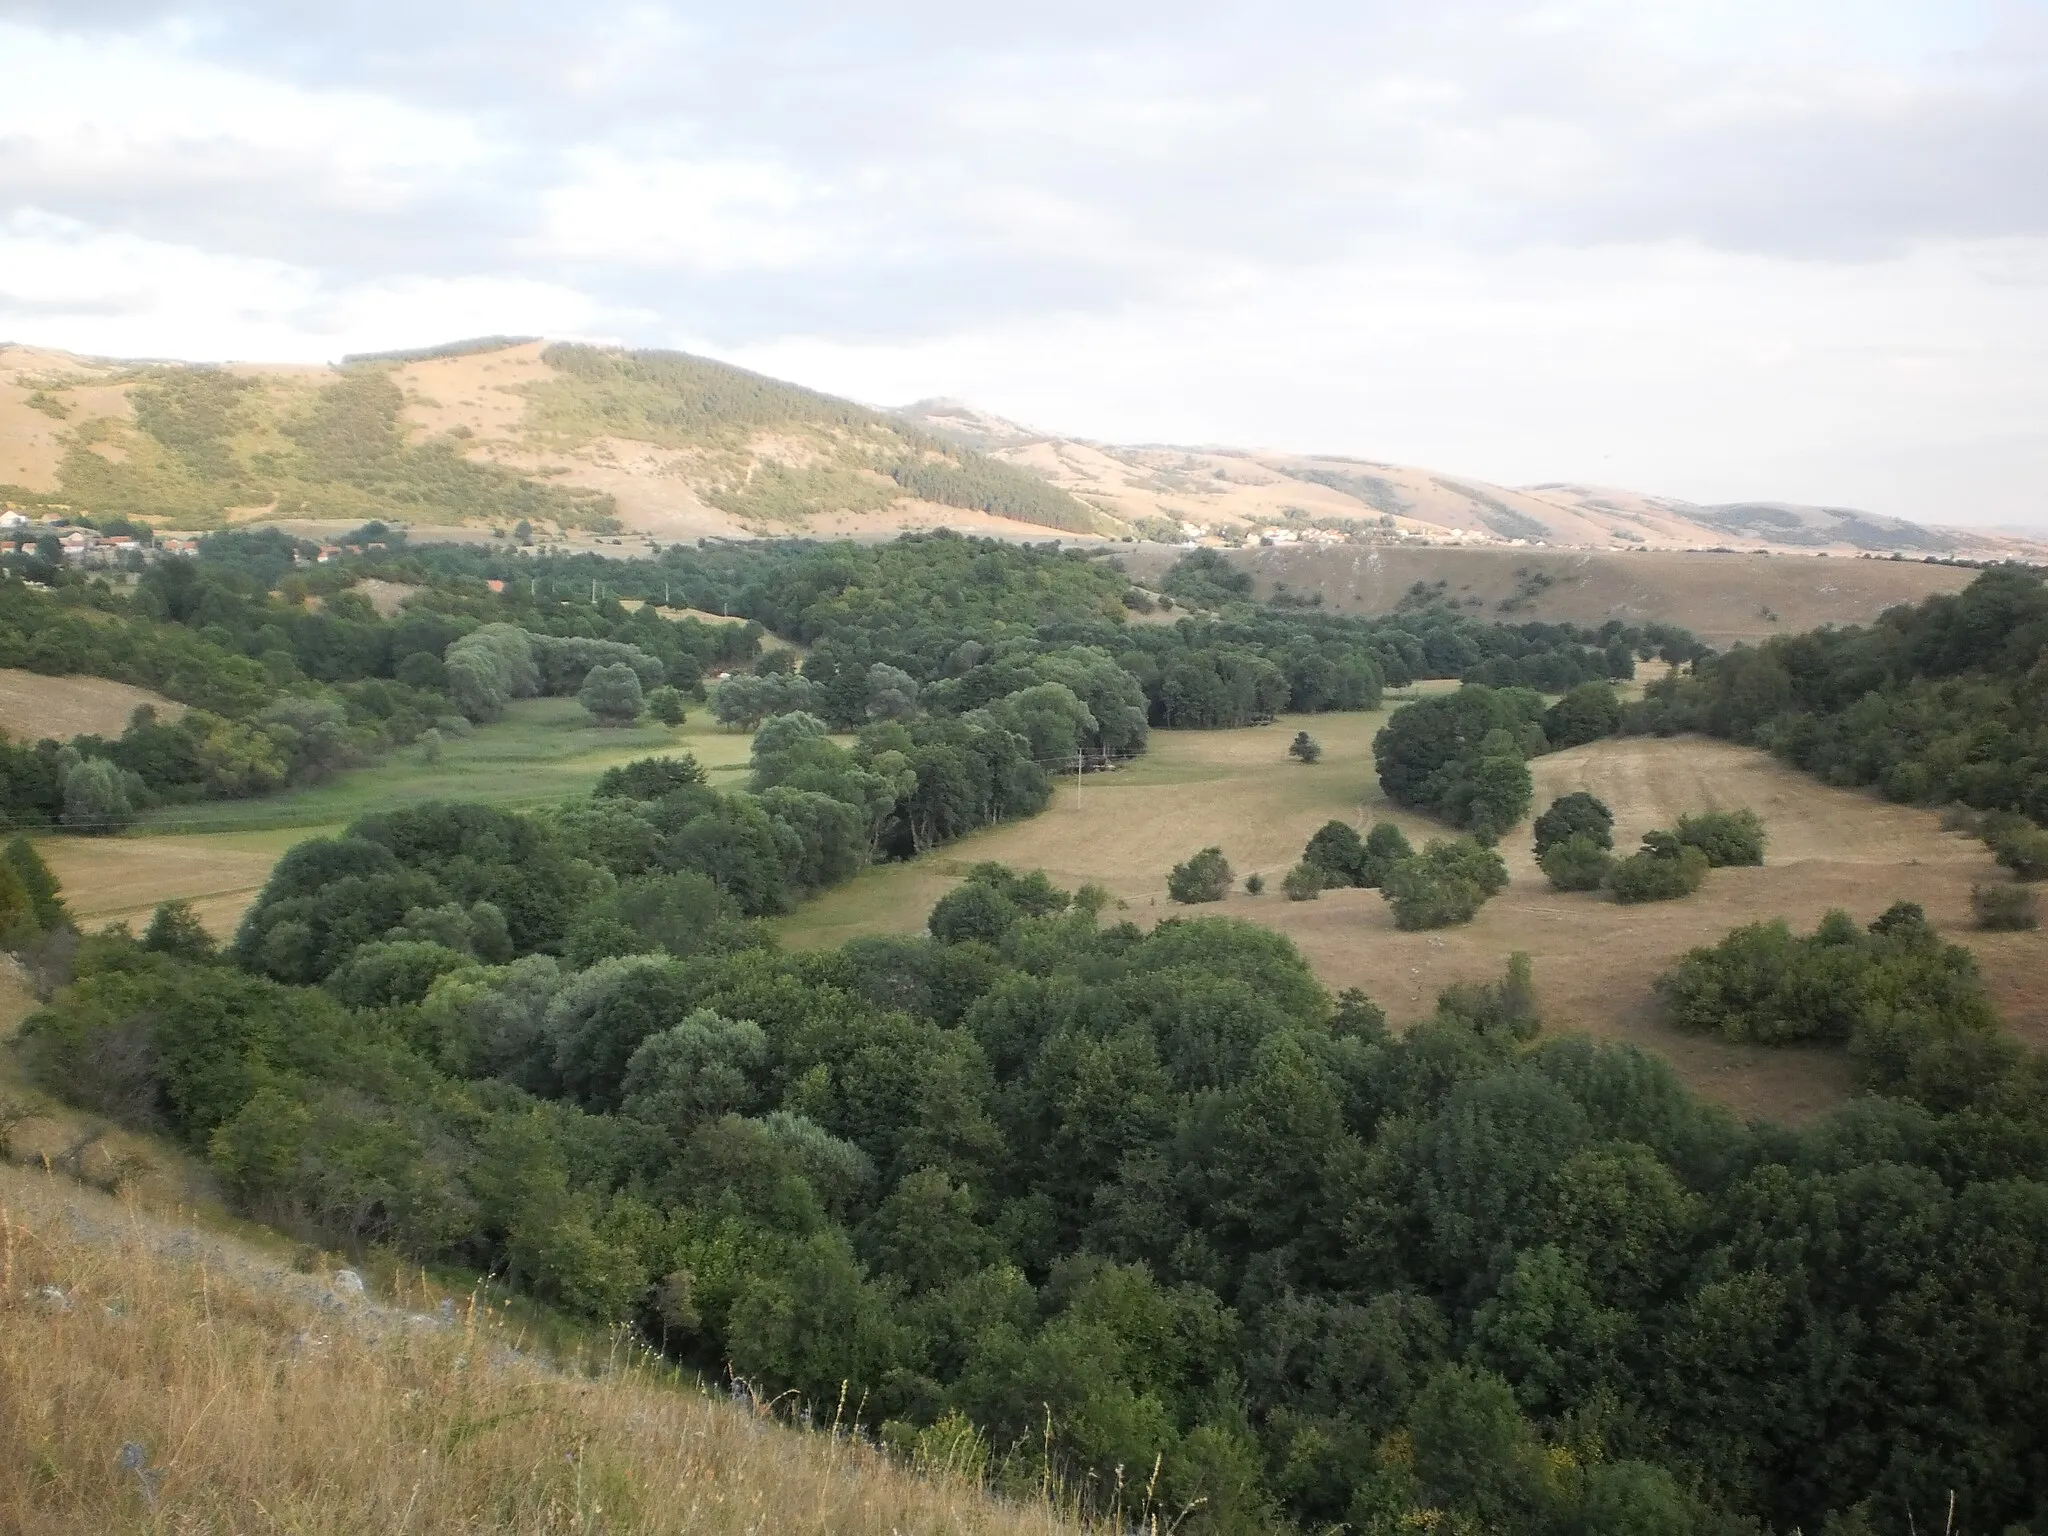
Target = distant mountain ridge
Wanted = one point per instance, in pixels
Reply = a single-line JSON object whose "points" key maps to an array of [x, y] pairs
{"points": [[1241, 490], [494, 431]]}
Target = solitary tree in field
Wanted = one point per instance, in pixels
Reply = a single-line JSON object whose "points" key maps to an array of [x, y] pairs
{"points": [[1305, 747], [666, 705], [612, 694], [1205, 877]]}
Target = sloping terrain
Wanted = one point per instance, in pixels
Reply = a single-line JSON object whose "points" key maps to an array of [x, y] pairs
{"points": [[1721, 598], [33, 706], [158, 1377], [498, 431], [1172, 493], [491, 435]]}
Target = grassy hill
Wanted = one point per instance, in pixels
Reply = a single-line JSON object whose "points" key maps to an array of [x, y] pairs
{"points": [[155, 1376], [489, 433]]}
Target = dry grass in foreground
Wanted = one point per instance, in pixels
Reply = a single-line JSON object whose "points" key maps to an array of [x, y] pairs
{"points": [[155, 1379]]}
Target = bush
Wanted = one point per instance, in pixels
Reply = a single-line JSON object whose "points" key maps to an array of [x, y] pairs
{"points": [[1575, 815], [1336, 850], [1587, 713], [1254, 884], [2005, 908], [1912, 1009], [1664, 869], [1304, 882], [2021, 848], [174, 929], [1725, 837], [1447, 883], [1385, 846], [666, 705], [1304, 747], [1205, 877], [1579, 863]]}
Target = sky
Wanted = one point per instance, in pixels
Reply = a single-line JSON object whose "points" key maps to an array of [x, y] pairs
{"points": [[1794, 250]]}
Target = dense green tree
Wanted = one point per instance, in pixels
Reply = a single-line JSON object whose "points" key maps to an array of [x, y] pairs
{"points": [[612, 694], [1577, 814]]}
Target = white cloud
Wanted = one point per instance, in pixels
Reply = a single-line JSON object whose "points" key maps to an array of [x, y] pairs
{"points": [[128, 114], [107, 292], [1666, 367], [705, 215]]}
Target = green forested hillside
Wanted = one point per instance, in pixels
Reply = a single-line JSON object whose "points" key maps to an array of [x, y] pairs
{"points": [[853, 458]]}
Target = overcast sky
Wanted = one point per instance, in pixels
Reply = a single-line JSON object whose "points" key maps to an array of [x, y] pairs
{"points": [[1714, 250]]}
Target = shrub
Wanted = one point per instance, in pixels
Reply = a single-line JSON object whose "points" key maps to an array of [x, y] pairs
{"points": [[1575, 815], [1725, 837], [2005, 908], [1336, 850], [2021, 848], [1254, 884], [1664, 869], [1579, 863], [174, 929], [1446, 883], [1587, 713], [1304, 882], [1385, 846], [1304, 747], [1912, 1009], [1205, 877], [666, 705]]}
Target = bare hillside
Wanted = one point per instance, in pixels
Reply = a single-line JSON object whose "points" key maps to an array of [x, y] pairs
{"points": [[1721, 598]]}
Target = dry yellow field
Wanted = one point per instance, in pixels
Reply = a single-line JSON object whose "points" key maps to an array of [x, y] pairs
{"points": [[122, 879], [1721, 598], [33, 706], [1594, 960]]}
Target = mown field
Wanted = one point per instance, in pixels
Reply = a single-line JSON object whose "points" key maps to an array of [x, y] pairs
{"points": [[33, 706], [217, 854], [1595, 960], [1724, 599]]}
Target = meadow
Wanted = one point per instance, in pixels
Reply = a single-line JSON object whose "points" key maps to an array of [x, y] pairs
{"points": [[1594, 960], [217, 854]]}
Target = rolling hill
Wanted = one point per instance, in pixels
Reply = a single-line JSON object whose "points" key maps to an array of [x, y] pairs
{"points": [[488, 433]]}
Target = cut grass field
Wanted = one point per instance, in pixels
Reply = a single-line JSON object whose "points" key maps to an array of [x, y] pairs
{"points": [[217, 854], [33, 706], [1594, 960]]}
